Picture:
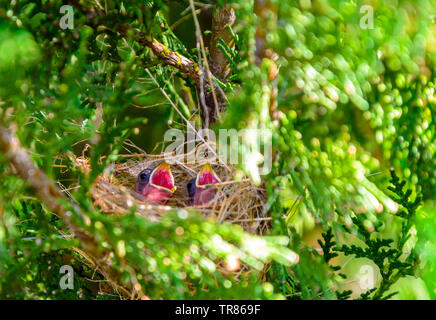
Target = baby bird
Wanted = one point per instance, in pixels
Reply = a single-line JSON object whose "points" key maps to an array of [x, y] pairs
{"points": [[156, 185], [201, 189]]}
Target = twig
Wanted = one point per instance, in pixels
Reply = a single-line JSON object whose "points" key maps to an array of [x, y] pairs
{"points": [[186, 120], [222, 18], [186, 66], [208, 98]]}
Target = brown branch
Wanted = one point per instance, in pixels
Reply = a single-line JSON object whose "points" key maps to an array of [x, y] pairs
{"points": [[212, 97], [171, 58], [50, 195], [213, 103], [98, 18], [219, 64]]}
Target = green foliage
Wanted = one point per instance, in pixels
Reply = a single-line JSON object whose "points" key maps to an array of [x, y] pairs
{"points": [[426, 247], [343, 103], [178, 257], [393, 261], [351, 102], [173, 259], [327, 246]]}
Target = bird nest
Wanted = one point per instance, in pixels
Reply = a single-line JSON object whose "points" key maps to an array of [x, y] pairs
{"points": [[237, 201]]}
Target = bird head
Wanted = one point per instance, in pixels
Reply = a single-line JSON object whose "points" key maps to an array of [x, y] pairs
{"points": [[202, 189], [156, 185]]}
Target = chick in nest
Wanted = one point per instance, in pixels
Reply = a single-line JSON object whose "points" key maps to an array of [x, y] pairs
{"points": [[156, 185], [202, 189]]}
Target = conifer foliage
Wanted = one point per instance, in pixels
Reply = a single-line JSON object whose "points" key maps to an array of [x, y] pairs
{"points": [[346, 88]]}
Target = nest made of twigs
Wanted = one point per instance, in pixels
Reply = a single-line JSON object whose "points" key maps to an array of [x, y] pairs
{"points": [[236, 201]]}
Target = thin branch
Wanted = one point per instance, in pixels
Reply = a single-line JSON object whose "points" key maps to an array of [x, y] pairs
{"points": [[186, 120], [219, 65], [213, 112], [52, 197], [185, 65], [210, 103]]}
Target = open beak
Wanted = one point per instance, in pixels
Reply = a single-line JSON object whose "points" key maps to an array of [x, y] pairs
{"points": [[206, 177], [162, 178]]}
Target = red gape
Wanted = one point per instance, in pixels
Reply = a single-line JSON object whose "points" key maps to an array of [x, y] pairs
{"points": [[202, 189], [156, 185]]}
